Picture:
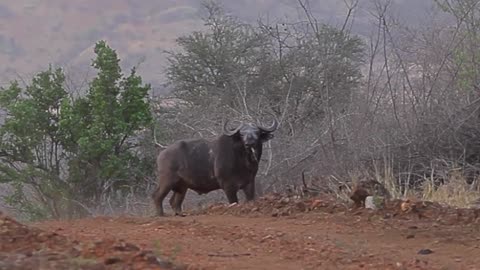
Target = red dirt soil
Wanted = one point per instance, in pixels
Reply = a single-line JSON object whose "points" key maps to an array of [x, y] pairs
{"points": [[272, 233], [23, 247]]}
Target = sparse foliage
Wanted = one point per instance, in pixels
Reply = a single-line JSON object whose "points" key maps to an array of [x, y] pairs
{"points": [[404, 102], [67, 148], [303, 74]]}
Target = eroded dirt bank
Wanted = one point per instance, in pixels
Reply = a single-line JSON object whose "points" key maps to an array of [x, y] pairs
{"points": [[277, 233]]}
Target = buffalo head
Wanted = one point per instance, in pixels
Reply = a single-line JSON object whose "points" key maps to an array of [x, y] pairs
{"points": [[252, 136]]}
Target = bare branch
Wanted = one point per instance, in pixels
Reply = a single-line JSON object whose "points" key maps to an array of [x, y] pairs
{"points": [[351, 5]]}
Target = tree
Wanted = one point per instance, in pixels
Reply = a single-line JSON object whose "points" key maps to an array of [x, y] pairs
{"points": [[31, 141], [215, 62], [99, 128], [73, 149], [243, 67]]}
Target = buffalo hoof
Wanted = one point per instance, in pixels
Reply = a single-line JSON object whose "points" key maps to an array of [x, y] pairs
{"points": [[232, 204], [180, 214]]}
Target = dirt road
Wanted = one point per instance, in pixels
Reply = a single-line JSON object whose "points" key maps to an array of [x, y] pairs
{"points": [[296, 235]]}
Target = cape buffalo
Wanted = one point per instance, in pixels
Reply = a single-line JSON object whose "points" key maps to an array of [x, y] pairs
{"points": [[229, 162]]}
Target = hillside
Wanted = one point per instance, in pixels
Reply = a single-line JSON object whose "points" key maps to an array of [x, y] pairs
{"points": [[34, 33]]}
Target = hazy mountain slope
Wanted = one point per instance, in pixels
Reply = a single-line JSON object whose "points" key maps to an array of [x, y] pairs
{"points": [[34, 33]]}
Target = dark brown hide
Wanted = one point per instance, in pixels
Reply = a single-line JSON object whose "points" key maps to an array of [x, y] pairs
{"points": [[227, 163]]}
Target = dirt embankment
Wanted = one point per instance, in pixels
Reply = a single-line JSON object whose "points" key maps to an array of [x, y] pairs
{"points": [[274, 232], [26, 247]]}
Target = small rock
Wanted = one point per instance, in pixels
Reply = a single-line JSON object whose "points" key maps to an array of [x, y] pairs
{"points": [[98, 242], [406, 205], [42, 237], [301, 206], [165, 264], [369, 203], [112, 260], [285, 200], [76, 251], [266, 238], [151, 258], [410, 236], [425, 251], [315, 204], [126, 247]]}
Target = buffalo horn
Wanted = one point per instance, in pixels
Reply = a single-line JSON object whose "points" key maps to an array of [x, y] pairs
{"points": [[230, 132], [271, 128]]}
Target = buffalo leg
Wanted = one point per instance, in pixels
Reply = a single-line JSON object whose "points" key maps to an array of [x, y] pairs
{"points": [[172, 199], [249, 191], [176, 202], [231, 193], [158, 197]]}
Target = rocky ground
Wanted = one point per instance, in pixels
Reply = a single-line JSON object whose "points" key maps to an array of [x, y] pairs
{"points": [[274, 232], [27, 247]]}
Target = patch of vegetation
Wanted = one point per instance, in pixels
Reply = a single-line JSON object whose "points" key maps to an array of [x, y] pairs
{"points": [[454, 192], [72, 149]]}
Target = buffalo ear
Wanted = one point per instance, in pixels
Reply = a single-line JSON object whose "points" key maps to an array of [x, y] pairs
{"points": [[266, 136]]}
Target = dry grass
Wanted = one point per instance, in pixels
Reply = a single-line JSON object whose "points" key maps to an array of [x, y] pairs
{"points": [[454, 192]]}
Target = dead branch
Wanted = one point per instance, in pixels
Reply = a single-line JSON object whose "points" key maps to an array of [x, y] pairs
{"points": [[270, 158], [303, 179], [229, 255], [157, 144], [86, 208], [243, 96], [286, 102], [351, 7]]}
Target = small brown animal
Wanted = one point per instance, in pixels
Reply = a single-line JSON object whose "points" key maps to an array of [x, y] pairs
{"points": [[364, 188]]}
